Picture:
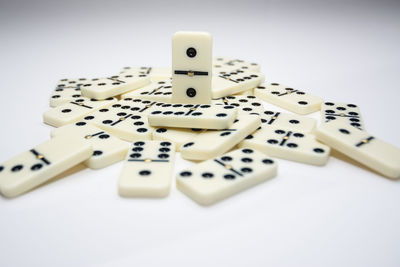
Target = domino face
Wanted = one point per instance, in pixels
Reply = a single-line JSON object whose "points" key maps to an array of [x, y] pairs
{"points": [[160, 91], [147, 171], [74, 111], [231, 82], [102, 88], [362, 147], [221, 63], [107, 149], [286, 144], [210, 144], [288, 98], [191, 67], [137, 106], [155, 73], [177, 136], [287, 121], [348, 113], [36, 166], [244, 104], [221, 177], [66, 91], [192, 116], [121, 122]]}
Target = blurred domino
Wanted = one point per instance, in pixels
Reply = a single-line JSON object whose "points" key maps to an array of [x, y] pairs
{"points": [[160, 91], [362, 147], [66, 90], [192, 116], [73, 111], [137, 106], [229, 63], [288, 98], [287, 144], [155, 73], [247, 92], [216, 179], [287, 121], [211, 143], [191, 67], [102, 88], [177, 136], [229, 82], [122, 123], [147, 171], [107, 149], [246, 104], [348, 113], [38, 165]]}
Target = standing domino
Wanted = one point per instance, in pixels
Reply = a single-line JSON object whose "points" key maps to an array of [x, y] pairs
{"points": [[211, 143], [286, 144], [192, 116], [362, 147], [107, 149], [191, 67], [224, 176], [36, 166], [147, 171], [288, 98], [348, 113]]}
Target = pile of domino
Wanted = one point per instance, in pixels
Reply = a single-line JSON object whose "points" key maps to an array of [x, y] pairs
{"points": [[209, 110]]}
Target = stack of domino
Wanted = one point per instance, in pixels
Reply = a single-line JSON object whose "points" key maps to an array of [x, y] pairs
{"points": [[210, 111]]}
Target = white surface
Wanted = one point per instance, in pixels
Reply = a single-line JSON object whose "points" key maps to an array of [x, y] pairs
{"points": [[337, 215]]}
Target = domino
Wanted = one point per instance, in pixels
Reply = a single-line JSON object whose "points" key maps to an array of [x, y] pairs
{"points": [[348, 113], [247, 92], [147, 170], [286, 144], [107, 149], [192, 116], [177, 136], [66, 91], [287, 121], [137, 106], [219, 178], [246, 104], [359, 145], [229, 63], [155, 73], [41, 163], [210, 144], [74, 111], [122, 123], [231, 82], [160, 91], [191, 67], [102, 88], [288, 98]]}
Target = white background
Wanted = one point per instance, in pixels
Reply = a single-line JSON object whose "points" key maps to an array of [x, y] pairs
{"points": [[337, 215]]}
